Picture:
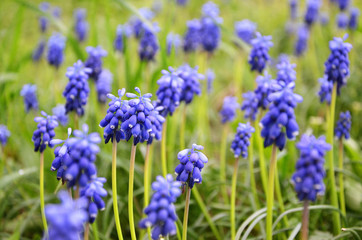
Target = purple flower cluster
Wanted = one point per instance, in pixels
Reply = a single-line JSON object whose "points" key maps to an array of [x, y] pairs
{"points": [[123, 32], [353, 19], [60, 112], [302, 40], [81, 25], [228, 110], [325, 92], [259, 55], [192, 38], [210, 33], [136, 23], [173, 41], [250, 105], [343, 125], [311, 14], [104, 85], [342, 20], [28, 92], [94, 61], [191, 85], [38, 51], [148, 46], [192, 161], [4, 135], [44, 133], [286, 72], [263, 89], [161, 214], [43, 21], [245, 30], [309, 174], [241, 141], [56, 45]]}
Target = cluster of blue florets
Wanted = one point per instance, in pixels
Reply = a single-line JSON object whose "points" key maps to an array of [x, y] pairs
{"points": [[148, 46], [56, 45], [4, 135], [325, 92], [245, 30], [94, 61], [241, 140], [191, 84], [29, 94], [192, 37], [228, 110], [81, 24], [44, 133], [259, 55], [311, 14], [343, 125], [104, 85], [250, 105], [123, 32]]}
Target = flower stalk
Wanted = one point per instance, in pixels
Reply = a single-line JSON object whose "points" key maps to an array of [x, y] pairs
{"points": [[41, 177], [186, 213], [305, 221], [341, 181], [270, 194], [147, 180], [163, 149], [262, 165], [223, 163], [233, 198], [130, 192]]}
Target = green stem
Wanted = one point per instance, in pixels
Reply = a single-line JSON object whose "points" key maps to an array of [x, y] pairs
{"points": [[223, 163], [233, 198], [95, 230], [262, 165], [147, 180], [186, 213], [341, 182], [280, 197], [41, 176], [163, 149], [305, 221], [76, 121], [332, 180], [114, 189], [130, 192], [182, 128], [252, 175], [270, 195], [206, 213]]}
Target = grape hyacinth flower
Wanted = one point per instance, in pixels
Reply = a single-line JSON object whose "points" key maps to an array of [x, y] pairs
{"points": [[342, 20], [44, 133], [43, 21], [57, 12], [343, 4], [66, 220], [136, 23], [28, 92], [210, 77], [286, 72], [173, 41], [325, 92], [157, 121], [4, 135], [250, 105], [77, 90], [192, 162], [353, 20], [343, 125], [311, 14], [169, 91], [60, 112], [337, 64], [93, 193], [324, 18], [293, 4], [94, 61], [241, 142], [161, 213], [259, 55], [263, 89], [279, 122], [104, 85], [192, 38], [245, 30], [309, 174], [38, 51], [228, 111], [148, 46], [81, 25], [56, 45], [123, 32], [302, 40], [191, 86], [210, 33]]}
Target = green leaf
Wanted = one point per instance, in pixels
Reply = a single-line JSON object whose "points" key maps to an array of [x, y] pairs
{"points": [[295, 231], [8, 179]]}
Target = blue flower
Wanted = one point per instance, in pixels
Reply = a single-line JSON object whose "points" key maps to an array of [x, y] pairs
{"points": [[286, 72], [353, 20], [169, 91], [211, 10], [210, 76], [343, 125], [343, 4], [342, 20], [302, 40], [262, 91], [182, 2], [94, 192], [293, 4], [161, 213], [81, 25], [241, 141], [245, 30], [157, 121], [192, 36], [94, 61], [309, 169], [44, 133], [38, 51], [28, 92], [137, 122], [104, 85], [173, 40], [325, 93], [137, 24], [192, 162], [259, 55], [324, 18], [279, 122], [228, 110], [191, 84], [60, 112], [210, 34], [66, 220], [115, 116], [43, 21], [123, 31], [77, 90], [148, 46], [56, 45], [311, 14], [337, 64], [250, 105], [57, 12], [4, 135]]}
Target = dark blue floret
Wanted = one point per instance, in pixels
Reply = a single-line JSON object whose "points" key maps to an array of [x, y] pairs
{"points": [[229, 107], [311, 14], [94, 61], [4, 135], [309, 169], [343, 125], [293, 4], [173, 41], [191, 83], [302, 40], [241, 141], [123, 32], [210, 34], [325, 93], [259, 55], [342, 20], [353, 20], [148, 46], [81, 24], [43, 21], [245, 30], [192, 36], [192, 162], [136, 23], [262, 91], [157, 121], [28, 92], [250, 105], [38, 51], [104, 85], [44, 133], [286, 72], [343, 4], [161, 214], [56, 45], [60, 112]]}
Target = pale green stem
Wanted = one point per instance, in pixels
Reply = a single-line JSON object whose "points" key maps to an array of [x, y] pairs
{"points": [[252, 175], [341, 181], [305, 221], [330, 163], [147, 180], [95, 230], [233, 198], [186, 213], [280, 197], [223, 163], [41, 187], [114, 189], [270, 195], [130, 192], [163, 149], [262, 165]]}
